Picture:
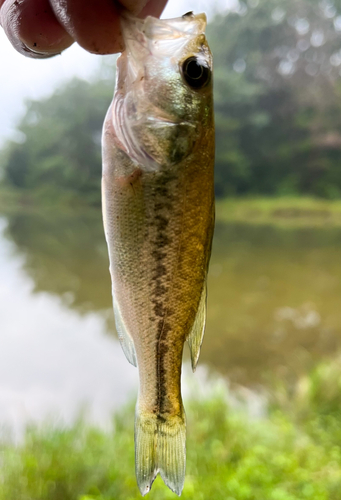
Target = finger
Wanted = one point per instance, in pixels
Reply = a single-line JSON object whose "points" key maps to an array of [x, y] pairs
{"points": [[33, 29], [95, 24], [134, 6], [153, 8]]}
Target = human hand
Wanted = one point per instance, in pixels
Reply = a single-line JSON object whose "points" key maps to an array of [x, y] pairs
{"points": [[43, 28]]}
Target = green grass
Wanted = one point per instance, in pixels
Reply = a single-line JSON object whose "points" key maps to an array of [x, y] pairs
{"points": [[292, 454], [283, 211]]}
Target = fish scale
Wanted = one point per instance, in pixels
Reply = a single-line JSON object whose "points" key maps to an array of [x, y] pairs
{"points": [[158, 212]]}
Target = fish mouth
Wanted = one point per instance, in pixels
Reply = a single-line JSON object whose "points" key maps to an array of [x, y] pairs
{"points": [[141, 35], [189, 24]]}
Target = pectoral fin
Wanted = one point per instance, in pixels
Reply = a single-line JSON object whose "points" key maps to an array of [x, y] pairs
{"points": [[196, 336], [124, 336]]}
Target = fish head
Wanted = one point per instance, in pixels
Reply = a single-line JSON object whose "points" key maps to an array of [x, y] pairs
{"points": [[163, 102]]}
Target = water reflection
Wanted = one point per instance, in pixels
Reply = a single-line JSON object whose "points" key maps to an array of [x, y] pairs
{"points": [[65, 254], [274, 293], [274, 300], [52, 359]]}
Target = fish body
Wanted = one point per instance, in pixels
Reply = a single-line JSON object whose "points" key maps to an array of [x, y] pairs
{"points": [[158, 212]]}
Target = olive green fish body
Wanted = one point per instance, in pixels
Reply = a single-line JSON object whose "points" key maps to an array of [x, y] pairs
{"points": [[158, 209]]}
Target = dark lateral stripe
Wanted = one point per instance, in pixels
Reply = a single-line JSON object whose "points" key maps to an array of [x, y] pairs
{"points": [[162, 206]]}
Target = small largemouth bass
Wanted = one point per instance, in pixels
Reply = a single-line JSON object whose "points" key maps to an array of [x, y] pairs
{"points": [[158, 210]]}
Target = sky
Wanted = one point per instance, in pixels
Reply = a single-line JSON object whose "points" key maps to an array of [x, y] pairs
{"points": [[23, 78]]}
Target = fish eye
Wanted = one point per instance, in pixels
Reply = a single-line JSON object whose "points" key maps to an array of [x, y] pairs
{"points": [[195, 74]]}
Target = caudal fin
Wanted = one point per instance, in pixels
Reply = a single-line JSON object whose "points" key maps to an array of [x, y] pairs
{"points": [[160, 446]]}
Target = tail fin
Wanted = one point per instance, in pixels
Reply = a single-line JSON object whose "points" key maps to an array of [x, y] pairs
{"points": [[160, 446]]}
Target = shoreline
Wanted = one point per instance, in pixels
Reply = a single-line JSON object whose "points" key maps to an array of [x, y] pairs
{"points": [[283, 212]]}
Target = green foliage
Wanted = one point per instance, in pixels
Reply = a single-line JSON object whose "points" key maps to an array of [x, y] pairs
{"points": [[277, 98], [61, 143], [277, 103], [292, 454]]}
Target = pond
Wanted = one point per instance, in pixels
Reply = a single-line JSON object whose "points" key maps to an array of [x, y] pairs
{"points": [[273, 312]]}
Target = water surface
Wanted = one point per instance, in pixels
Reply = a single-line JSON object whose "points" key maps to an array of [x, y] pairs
{"points": [[273, 311]]}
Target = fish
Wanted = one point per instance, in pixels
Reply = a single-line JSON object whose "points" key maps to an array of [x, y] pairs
{"points": [[158, 214]]}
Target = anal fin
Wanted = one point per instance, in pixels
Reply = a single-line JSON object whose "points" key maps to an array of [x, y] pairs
{"points": [[124, 336], [196, 335]]}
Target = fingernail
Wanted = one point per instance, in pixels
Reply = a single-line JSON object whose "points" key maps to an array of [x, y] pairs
{"points": [[36, 54]]}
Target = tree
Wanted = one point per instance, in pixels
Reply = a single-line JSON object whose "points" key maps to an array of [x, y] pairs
{"points": [[62, 136], [278, 97]]}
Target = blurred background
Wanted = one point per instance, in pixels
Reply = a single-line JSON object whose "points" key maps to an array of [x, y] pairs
{"points": [[264, 405]]}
